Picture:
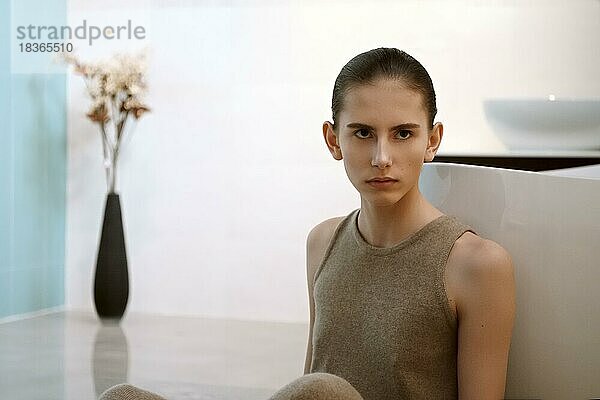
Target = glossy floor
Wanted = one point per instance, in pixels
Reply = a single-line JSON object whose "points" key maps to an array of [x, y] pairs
{"points": [[71, 355]]}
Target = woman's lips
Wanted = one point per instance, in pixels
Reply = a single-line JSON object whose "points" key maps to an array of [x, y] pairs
{"points": [[382, 184]]}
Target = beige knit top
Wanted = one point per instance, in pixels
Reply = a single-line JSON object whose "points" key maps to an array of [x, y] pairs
{"points": [[382, 318]]}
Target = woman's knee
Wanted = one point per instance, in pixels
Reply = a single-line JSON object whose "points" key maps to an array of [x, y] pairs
{"points": [[318, 386], [126, 391]]}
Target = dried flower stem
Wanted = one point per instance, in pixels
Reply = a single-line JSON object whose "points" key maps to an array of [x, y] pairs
{"points": [[116, 88]]}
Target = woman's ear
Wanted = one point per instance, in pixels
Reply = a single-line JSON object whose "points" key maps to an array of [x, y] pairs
{"points": [[332, 140], [434, 141]]}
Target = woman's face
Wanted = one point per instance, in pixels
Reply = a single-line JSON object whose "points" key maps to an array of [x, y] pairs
{"points": [[383, 131]]}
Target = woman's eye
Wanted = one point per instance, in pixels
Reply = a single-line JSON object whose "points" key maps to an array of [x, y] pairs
{"points": [[406, 134], [358, 132]]}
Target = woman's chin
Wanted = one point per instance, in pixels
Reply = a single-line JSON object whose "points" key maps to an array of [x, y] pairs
{"points": [[380, 199]]}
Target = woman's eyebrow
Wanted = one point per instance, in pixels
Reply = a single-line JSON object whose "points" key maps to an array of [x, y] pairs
{"points": [[401, 126]]}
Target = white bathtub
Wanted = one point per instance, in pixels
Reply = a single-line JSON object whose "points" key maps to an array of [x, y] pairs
{"points": [[590, 171], [550, 224]]}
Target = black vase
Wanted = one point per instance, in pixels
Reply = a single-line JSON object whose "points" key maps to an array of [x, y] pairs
{"points": [[111, 283]]}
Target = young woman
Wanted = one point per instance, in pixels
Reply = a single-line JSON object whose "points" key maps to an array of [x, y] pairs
{"points": [[405, 301]]}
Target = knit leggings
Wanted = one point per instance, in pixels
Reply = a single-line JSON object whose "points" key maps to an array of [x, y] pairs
{"points": [[315, 386]]}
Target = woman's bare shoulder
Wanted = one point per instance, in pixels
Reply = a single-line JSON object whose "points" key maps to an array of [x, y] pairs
{"points": [[471, 249], [474, 258], [318, 240], [327, 226]]}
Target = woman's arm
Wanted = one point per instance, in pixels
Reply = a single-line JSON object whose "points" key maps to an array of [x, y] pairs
{"points": [[312, 243], [485, 311], [316, 245]]}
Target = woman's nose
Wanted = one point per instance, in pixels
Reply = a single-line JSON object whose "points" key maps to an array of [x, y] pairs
{"points": [[382, 157]]}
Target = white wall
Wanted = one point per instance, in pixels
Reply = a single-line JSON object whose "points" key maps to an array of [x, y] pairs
{"points": [[221, 183]]}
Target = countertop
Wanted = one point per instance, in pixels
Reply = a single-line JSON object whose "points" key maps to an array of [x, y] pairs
{"points": [[525, 160]]}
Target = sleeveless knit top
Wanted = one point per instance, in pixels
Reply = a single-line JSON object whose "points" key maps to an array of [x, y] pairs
{"points": [[382, 318]]}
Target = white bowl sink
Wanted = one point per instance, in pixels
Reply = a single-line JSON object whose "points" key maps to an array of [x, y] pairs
{"points": [[545, 124]]}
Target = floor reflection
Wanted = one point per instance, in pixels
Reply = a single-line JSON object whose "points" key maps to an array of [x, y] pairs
{"points": [[110, 360], [72, 356]]}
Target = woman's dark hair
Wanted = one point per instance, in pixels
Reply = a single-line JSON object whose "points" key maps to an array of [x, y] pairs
{"points": [[389, 63]]}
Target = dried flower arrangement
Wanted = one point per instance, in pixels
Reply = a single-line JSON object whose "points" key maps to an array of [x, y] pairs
{"points": [[116, 87]]}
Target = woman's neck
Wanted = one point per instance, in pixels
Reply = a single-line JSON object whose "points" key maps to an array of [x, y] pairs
{"points": [[385, 226]]}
